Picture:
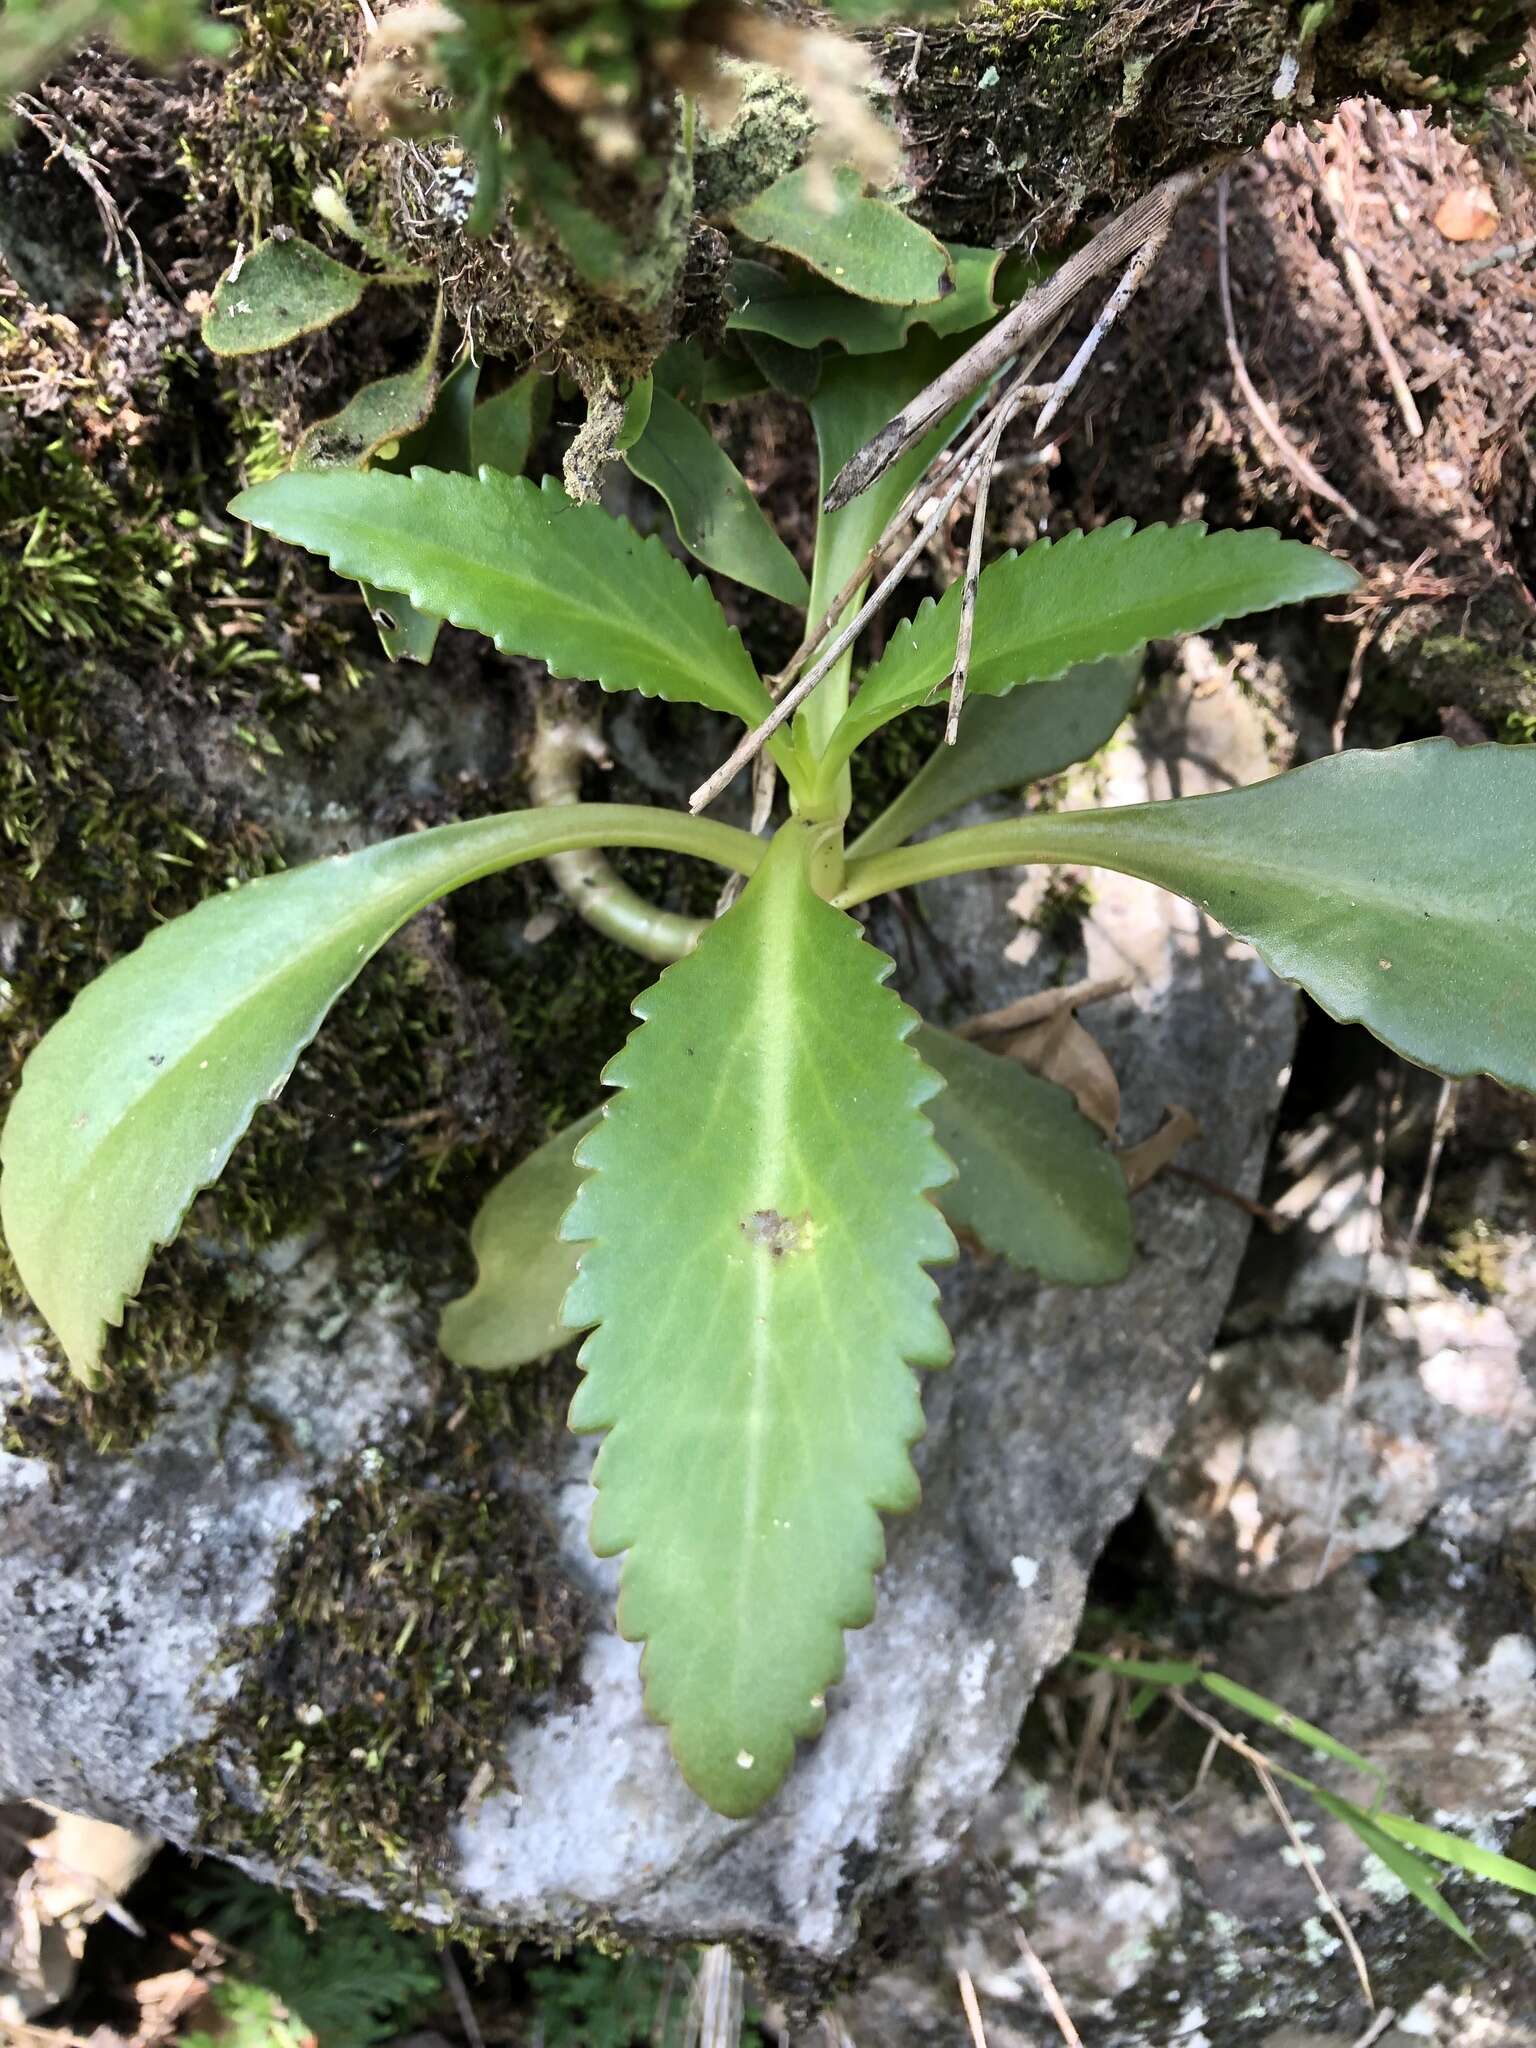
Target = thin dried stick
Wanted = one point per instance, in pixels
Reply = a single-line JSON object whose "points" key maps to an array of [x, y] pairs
{"points": [[1263, 1770], [972, 2007], [1130, 283], [1047, 1990], [1376, 1187], [1445, 1123], [1328, 184], [1110, 247], [1509, 252], [1045, 1003], [753, 742], [1306, 473], [1350, 696], [1377, 2028], [458, 1991]]}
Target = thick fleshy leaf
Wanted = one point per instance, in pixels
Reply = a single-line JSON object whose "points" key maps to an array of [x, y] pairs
{"points": [[284, 288], [1082, 598], [1395, 887], [865, 246], [138, 1095], [1034, 1180], [716, 516], [797, 306], [524, 1267], [794, 371], [506, 427], [567, 584], [757, 1225], [1009, 742]]}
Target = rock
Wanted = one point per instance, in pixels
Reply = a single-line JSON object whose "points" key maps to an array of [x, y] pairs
{"points": [[124, 1580]]}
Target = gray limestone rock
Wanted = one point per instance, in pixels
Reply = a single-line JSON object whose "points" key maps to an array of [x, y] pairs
{"points": [[121, 1582]]}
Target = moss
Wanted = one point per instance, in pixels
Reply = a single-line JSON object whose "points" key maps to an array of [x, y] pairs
{"points": [[1475, 1256], [766, 138], [415, 1617]]}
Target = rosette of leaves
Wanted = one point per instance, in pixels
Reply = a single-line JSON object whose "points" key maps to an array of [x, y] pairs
{"points": [[746, 1226]]}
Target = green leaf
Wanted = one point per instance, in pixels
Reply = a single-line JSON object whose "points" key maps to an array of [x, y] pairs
{"points": [[757, 1226], [1034, 1180], [566, 584], [637, 412], [284, 288], [138, 1095], [1167, 1671], [1394, 886], [716, 516], [865, 246], [1414, 1875], [524, 1268], [383, 412], [442, 441], [794, 371], [506, 427], [1478, 1862], [1082, 598], [1009, 742], [1287, 1723], [799, 307]]}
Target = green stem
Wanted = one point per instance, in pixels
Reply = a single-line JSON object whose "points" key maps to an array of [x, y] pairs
{"points": [[1094, 838], [572, 826]]}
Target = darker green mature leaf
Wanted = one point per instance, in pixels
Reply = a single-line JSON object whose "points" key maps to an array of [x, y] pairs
{"points": [[637, 413], [1009, 742], [1034, 1180], [865, 246], [566, 584], [1081, 598], [716, 516], [757, 1225], [1410, 1871], [506, 427], [524, 1268], [138, 1095], [798, 307], [382, 412], [794, 371], [284, 288], [1395, 887]]}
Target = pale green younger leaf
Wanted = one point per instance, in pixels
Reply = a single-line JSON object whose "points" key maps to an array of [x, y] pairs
{"points": [[1034, 1180], [506, 427], [138, 1095], [716, 516], [284, 288], [1287, 1723], [524, 1267], [1410, 1871], [864, 246], [757, 1221], [637, 413], [566, 584], [1468, 1856], [1082, 598], [1009, 742], [385, 411], [1151, 1671]]}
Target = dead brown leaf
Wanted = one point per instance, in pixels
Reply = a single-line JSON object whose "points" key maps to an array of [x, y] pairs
{"points": [[1060, 1050], [1468, 214], [1139, 1163]]}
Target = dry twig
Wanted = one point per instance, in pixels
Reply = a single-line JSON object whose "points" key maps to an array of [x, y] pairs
{"points": [[1117, 241], [1330, 185], [1507, 252], [1047, 1991], [1306, 473], [972, 2005]]}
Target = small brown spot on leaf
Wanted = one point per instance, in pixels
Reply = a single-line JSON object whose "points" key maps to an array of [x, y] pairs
{"points": [[779, 1235]]}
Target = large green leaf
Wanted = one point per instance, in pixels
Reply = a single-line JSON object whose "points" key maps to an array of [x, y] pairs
{"points": [[137, 1096], [567, 584], [442, 441], [284, 288], [865, 246], [1009, 742], [524, 1267], [716, 516], [1081, 598], [757, 1222], [1034, 1180], [1396, 887]]}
